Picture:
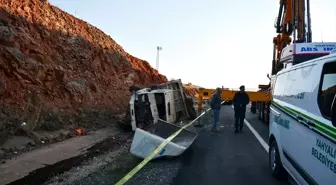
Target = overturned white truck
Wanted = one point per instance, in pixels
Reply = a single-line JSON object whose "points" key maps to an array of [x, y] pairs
{"points": [[154, 113]]}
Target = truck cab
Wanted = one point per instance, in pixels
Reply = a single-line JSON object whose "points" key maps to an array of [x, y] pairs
{"points": [[166, 101], [148, 106]]}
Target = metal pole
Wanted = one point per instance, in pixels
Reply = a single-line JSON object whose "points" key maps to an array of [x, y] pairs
{"points": [[158, 48], [157, 60]]}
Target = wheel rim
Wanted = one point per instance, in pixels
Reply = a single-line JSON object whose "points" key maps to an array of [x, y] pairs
{"points": [[273, 159]]}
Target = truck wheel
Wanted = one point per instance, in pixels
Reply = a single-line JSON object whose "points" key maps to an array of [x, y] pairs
{"points": [[275, 165], [253, 107], [259, 110], [267, 114], [259, 115], [263, 118], [262, 113], [253, 110]]}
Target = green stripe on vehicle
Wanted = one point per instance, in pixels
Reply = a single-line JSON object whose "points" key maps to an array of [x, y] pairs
{"points": [[323, 128], [325, 131], [320, 123]]}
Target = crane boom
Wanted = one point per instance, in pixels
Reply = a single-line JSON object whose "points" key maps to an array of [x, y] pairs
{"points": [[291, 20]]}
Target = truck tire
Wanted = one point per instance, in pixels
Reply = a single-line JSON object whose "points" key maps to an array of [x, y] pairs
{"points": [[259, 110], [267, 114], [262, 112], [253, 110], [253, 107], [275, 165]]}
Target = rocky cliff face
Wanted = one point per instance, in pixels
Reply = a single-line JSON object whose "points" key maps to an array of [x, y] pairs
{"points": [[57, 70]]}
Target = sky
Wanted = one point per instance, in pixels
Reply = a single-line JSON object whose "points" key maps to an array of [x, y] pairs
{"points": [[208, 43]]}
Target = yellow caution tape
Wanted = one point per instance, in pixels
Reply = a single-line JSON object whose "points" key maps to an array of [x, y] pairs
{"points": [[130, 174], [156, 151]]}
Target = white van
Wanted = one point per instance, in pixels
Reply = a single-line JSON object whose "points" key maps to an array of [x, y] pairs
{"points": [[302, 122]]}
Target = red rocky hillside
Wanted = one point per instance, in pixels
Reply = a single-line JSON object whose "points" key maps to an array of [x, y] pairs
{"points": [[58, 70], [191, 90]]}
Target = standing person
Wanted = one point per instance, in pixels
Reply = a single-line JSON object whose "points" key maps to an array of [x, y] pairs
{"points": [[240, 101], [216, 106]]}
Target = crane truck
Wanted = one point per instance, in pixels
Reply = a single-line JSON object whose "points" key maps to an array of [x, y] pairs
{"points": [[301, 113], [293, 20], [299, 103]]}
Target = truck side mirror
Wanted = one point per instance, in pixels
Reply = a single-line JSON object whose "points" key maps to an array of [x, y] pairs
{"points": [[333, 112]]}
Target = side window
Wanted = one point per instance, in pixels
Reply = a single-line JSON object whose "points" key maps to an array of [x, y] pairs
{"points": [[280, 84], [169, 108], [276, 87], [272, 83], [327, 89]]}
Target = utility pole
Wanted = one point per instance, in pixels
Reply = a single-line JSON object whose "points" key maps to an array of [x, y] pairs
{"points": [[158, 49]]}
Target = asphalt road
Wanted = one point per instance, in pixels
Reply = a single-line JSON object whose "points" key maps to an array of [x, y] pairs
{"points": [[227, 158], [224, 158]]}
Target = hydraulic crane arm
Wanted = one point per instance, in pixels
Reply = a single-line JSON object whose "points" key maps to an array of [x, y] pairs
{"points": [[290, 20], [291, 17], [299, 18], [284, 28], [284, 22]]}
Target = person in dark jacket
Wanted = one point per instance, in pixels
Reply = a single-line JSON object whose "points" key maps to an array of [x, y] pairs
{"points": [[216, 106], [240, 100]]}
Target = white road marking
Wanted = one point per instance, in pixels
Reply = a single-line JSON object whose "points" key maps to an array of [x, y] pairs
{"points": [[255, 133], [261, 141]]}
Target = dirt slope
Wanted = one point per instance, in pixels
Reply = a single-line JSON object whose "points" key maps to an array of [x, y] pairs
{"points": [[57, 70]]}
